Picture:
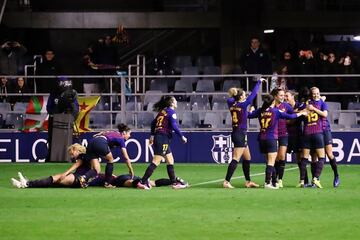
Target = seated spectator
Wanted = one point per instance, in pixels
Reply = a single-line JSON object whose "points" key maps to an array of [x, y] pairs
{"points": [[4, 90], [20, 88]]}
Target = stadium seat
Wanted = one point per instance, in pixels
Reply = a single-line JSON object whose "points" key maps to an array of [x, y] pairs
{"points": [[203, 61], [254, 123], [205, 86], [20, 107], [189, 120], [1, 120], [219, 97], [150, 106], [214, 119], [99, 120], [199, 98], [144, 119], [212, 70], [14, 120], [5, 107], [152, 96], [182, 61], [190, 71], [347, 120], [228, 122], [334, 111], [354, 106], [183, 86], [222, 106], [199, 108], [159, 84], [229, 83]]}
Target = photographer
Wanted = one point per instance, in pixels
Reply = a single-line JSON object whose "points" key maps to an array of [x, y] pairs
{"points": [[12, 58], [63, 108]]}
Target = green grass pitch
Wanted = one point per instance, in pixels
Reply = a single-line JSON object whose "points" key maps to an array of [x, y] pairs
{"points": [[203, 211]]}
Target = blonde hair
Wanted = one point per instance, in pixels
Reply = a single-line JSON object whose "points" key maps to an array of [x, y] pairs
{"points": [[233, 92], [77, 146]]}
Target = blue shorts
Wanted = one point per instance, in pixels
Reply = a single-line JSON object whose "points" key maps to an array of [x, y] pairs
{"points": [[328, 137], [268, 146], [283, 141], [161, 145], [294, 144], [239, 138], [97, 147], [313, 141]]}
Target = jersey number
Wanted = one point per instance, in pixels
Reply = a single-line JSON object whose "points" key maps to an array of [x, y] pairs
{"points": [[159, 121], [265, 122], [313, 117], [234, 117]]}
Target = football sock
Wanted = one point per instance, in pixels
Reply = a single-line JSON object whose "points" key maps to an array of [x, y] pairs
{"points": [[149, 171], [273, 176], [231, 169], [246, 169], [313, 168], [46, 182], [277, 166], [268, 172], [303, 164], [171, 173], [108, 172], [281, 169], [162, 182], [334, 166], [319, 167]]}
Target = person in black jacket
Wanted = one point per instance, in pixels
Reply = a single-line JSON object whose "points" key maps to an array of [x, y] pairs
{"points": [[49, 67]]}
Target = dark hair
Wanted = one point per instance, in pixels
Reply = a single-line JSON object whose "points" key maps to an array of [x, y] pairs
{"points": [[276, 91], [268, 100], [304, 94], [164, 102], [123, 128]]}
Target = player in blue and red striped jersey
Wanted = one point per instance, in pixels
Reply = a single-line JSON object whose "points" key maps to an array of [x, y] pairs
{"points": [[279, 96], [238, 103], [328, 141], [67, 179], [126, 180], [295, 131], [313, 136], [269, 116], [162, 128], [99, 146]]}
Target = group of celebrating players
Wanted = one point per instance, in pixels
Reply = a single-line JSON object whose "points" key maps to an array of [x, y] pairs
{"points": [[286, 125]]}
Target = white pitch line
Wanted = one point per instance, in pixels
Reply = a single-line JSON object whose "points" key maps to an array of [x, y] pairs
{"points": [[220, 180]]}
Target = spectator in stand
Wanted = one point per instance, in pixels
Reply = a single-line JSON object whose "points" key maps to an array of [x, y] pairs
{"points": [[306, 66], [278, 81], [49, 67], [348, 84], [4, 90], [255, 60], [330, 66], [20, 88], [12, 58]]}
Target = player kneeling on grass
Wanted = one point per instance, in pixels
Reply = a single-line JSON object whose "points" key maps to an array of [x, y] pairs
{"points": [[67, 179], [127, 180], [161, 133]]}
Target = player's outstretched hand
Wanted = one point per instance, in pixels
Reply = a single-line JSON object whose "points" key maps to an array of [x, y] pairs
{"points": [[184, 139], [108, 185]]}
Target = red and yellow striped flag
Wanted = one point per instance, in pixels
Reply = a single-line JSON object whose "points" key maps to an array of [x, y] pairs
{"points": [[36, 115], [86, 104]]}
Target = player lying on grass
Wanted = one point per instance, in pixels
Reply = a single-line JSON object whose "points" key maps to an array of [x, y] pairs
{"points": [[69, 178], [127, 181]]}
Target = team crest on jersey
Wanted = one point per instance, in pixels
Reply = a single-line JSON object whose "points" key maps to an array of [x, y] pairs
{"points": [[222, 148]]}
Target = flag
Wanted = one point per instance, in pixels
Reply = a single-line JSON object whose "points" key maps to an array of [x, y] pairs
{"points": [[86, 104], [36, 116]]}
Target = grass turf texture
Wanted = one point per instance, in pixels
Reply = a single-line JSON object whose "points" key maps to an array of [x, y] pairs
{"points": [[201, 212]]}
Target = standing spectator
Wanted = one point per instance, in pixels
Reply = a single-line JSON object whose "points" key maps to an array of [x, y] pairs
{"points": [[20, 88], [12, 58], [4, 89], [49, 67], [255, 60]]}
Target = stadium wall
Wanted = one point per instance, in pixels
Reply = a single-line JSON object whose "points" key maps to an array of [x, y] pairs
{"points": [[203, 147]]}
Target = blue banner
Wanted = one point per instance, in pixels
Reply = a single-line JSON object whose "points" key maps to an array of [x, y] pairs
{"points": [[202, 147]]}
